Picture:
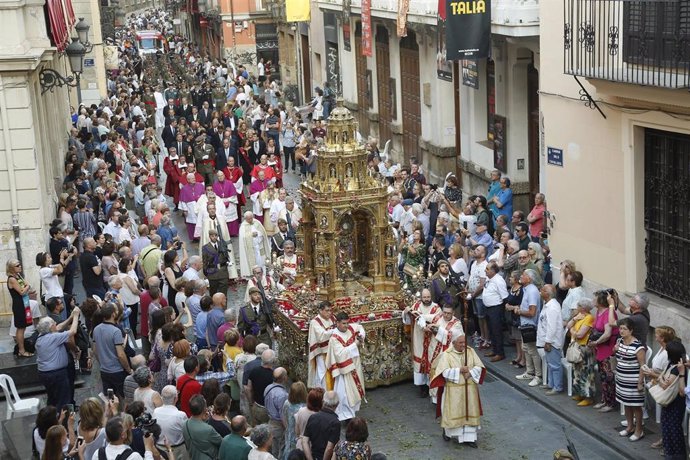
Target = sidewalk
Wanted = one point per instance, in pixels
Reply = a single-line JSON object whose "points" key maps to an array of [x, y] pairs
{"points": [[603, 427]]}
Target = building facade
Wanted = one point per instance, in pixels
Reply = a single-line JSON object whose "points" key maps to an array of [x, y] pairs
{"points": [[34, 127], [406, 96], [615, 106]]}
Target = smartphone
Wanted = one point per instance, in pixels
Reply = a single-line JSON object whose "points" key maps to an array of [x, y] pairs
{"points": [[70, 408], [80, 441], [464, 224], [111, 394]]}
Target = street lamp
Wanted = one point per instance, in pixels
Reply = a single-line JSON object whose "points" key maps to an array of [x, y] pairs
{"points": [[51, 79], [82, 29]]}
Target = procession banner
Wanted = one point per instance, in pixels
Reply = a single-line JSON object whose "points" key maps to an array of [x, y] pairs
{"points": [[298, 10], [468, 29], [366, 28], [444, 69]]}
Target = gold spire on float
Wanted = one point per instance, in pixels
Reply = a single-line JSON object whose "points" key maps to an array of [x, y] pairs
{"points": [[345, 242]]}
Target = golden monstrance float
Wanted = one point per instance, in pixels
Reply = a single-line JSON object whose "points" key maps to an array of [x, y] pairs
{"points": [[346, 254]]}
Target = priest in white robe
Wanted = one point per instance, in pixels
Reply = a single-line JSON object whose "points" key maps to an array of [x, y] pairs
{"points": [[254, 246], [320, 330], [442, 327], [345, 366], [419, 316]]}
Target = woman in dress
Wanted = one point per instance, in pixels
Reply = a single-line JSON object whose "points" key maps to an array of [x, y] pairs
{"points": [[314, 404], [171, 272], [21, 311], [413, 253], [663, 336], [673, 414], [108, 261], [180, 350], [355, 445], [219, 415], [262, 438], [161, 338], [580, 326], [145, 393], [297, 399], [131, 290], [603, 340], [536, 255], [248, 354], [630, 356], [514, 299]]}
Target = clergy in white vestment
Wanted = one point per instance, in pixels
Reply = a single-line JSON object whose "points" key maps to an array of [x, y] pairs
{"points": [[457, 375], [345, 366], [320, 330], [442, 328], [254, 245], [419, 316]]}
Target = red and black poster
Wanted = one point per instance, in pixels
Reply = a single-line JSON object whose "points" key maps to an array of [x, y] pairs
{"points": [[468, 29]]}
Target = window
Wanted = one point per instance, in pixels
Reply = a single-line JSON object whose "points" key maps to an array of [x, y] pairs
{"points": [[667, 214], [657, 33], [490, 97]]}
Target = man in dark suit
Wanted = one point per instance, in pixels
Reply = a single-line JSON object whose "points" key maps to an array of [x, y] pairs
{"points": [[205, 115], [194, 115], [443, 291], [214, 132], [258, 148], [222, 155], [185, 109], [255, 317], [180, 144], [280, 237], [215, 262], [169, 134]]}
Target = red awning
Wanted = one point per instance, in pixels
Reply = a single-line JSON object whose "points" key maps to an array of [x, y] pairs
{"points": [[61, 17]]}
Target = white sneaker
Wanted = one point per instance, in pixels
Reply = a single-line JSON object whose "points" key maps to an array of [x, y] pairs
{"points": [[524, 376], [535, 381]]}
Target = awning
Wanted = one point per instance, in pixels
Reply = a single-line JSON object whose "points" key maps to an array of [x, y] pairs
{"points": [[61, 18]]}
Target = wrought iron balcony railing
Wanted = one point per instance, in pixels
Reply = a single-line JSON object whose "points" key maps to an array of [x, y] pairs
{"points": [[644, 42]]}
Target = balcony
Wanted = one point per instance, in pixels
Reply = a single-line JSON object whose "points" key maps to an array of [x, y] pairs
{"points": [[642, 42], [515, 18]]}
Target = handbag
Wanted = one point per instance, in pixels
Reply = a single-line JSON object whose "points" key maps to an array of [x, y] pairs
{"points": [[595, 335], [665, 396], [409, 270], [528, 333], [574, 353]]}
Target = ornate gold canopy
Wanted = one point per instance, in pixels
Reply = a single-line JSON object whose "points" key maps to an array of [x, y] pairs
{"points": [[345, 241]]}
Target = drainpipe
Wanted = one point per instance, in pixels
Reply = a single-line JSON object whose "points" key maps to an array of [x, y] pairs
{"points": [[9, 157]]}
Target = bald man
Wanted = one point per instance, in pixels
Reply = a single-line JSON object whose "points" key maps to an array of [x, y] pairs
{"points": [[275, 396], [215, 319]]}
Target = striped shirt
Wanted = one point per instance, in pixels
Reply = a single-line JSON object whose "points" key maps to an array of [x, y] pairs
{"points": [[86, 223]]}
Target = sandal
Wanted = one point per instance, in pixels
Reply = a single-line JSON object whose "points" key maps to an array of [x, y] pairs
{"points": [[658, 444], [515, 362], [26, 354]]}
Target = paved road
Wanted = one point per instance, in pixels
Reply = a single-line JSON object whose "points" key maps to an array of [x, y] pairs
{"points": [[514, 427]]}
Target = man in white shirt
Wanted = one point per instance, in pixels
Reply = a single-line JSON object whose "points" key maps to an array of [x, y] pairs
{"points": [[550, 336], [406, 218], [194, 267], [494, 294], [171, 420], [112, 228], [475, 286], [117, 435]]}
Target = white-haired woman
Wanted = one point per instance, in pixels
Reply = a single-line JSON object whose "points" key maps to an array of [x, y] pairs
{"points": [[147, 395], [584, 372], [536, 255], [262, 438]]}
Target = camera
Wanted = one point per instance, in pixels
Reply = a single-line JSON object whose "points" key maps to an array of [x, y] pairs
{"points": [[611, 291], [147, 424], [433, 187], [177, 244]]}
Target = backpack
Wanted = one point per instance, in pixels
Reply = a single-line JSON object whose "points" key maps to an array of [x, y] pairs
{"points": [[123, 456]]}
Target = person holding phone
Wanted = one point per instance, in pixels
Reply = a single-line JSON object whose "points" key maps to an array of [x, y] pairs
{"points": [[52, 359]]}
